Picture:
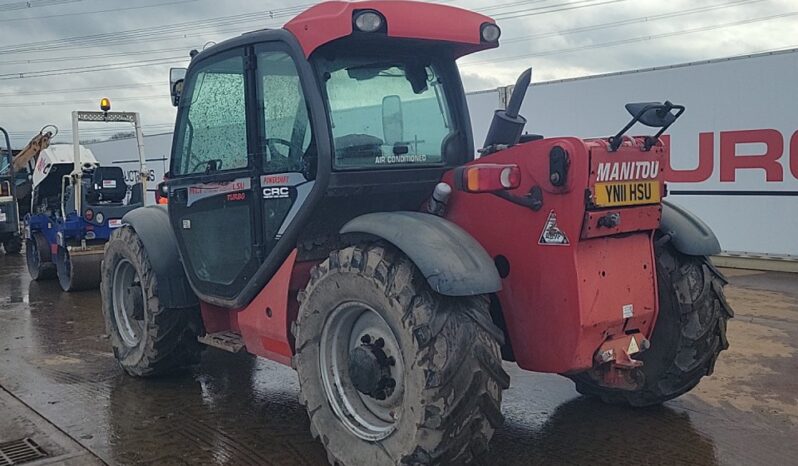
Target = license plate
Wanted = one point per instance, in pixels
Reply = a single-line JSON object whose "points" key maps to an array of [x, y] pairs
{"points": [[626, 193], [115, 223]]}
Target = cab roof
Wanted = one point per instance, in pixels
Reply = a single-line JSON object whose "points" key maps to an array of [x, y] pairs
{"points": [[327, 21]]}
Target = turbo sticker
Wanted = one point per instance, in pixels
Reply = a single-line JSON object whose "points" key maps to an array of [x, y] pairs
{"points": [[201, 191]]}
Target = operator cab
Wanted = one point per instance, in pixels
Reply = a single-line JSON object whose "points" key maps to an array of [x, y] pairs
{"points": [[285, 135]]}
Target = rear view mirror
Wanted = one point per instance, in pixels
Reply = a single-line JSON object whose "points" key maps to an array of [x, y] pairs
{"points": [[392, 119], [176, 78], [653, 114]]}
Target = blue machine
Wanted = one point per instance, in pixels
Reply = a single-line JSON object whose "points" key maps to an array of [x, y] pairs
{"points": [[75, 206]]}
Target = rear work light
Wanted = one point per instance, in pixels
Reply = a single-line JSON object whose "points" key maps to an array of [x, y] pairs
{"points": [[489, 32], [487, 177], [368, 21]]}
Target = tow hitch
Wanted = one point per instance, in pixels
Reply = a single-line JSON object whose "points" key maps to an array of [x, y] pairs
{"points": [[614, 366]]}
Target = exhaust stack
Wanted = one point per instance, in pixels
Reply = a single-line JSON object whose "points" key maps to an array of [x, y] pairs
{"points": [[507, 124]]}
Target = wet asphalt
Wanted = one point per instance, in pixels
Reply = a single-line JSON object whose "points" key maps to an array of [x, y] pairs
{"points": [[56, 362]]}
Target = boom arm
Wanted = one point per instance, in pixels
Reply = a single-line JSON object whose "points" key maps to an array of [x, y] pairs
{"points": [[39, 142]]}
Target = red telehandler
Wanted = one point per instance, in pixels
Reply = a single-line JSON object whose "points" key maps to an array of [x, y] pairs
{"points": [[326, 211]]}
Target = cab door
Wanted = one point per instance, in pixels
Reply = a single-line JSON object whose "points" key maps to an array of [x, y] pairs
{"points": [[213, 203]]}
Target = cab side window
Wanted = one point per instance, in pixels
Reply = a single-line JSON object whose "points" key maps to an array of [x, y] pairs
{"points": [[286, 132], [213, 135]]}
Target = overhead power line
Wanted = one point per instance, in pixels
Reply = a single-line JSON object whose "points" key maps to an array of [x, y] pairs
{"points": [[508, 5], [93, 57], [560, 7], [33, 4], [84, 13], [133, 35], [625, 22], [93, 68], [122, 86], [53, 103], [631, 40]]}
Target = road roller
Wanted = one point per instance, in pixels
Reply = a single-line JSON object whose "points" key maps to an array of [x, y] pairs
{"points": [[76, 203]]}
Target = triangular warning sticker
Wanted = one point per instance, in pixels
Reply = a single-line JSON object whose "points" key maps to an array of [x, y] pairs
{"points": [[633, 348], [552, 235]]}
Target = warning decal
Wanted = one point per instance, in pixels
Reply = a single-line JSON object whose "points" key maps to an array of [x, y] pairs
{"points": [[633, 347], [552, 235]]}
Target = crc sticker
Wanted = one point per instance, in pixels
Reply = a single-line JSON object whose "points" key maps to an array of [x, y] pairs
{"points": [[186, 224], [552, 235], [115, 223], [628, 311], [109, 184], [277, 192]]}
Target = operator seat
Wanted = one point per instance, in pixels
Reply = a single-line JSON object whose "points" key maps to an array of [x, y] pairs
{"points": [[107, 186]]}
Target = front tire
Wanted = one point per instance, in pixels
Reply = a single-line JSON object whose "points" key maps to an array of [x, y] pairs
{"points": [[390, 371], [147, 338], [689, 334]]}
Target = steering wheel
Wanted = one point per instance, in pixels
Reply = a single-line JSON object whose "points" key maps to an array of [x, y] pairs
{"points": [[205, 163], [271, 143]]}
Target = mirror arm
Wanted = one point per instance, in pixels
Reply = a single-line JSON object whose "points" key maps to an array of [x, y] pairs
{"points": [[651, 141], [617, 140]]}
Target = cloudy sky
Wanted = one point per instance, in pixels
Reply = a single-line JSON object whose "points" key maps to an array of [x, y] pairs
{"points": [[62, 55]]}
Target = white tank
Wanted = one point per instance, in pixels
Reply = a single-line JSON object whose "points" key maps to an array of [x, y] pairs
{"points": [[60, 154]]}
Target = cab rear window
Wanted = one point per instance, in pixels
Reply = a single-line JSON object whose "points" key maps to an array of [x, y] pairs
{"points": [[386, 113]]}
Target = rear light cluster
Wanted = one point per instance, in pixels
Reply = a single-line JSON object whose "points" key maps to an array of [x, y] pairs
{"points": [[89, 215], [487, 177]]}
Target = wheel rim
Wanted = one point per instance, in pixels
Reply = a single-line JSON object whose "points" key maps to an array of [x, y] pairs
{"points": [[362, 370], [128, 302]]}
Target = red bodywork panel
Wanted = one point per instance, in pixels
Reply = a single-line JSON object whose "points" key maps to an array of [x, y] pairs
{"points": [[265, 324], [561, 302], [328, 21]]}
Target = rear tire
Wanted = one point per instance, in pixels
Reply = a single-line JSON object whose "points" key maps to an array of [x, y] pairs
{"points": [[38, 258], [13, 245], [445, 403], [148, 338], [689, 334]]}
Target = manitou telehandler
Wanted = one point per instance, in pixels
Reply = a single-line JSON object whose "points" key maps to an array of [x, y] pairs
{"points": [[326, 211]]}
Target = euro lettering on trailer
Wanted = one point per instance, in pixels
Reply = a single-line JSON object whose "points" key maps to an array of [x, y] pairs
{"points": [[552, 235]]}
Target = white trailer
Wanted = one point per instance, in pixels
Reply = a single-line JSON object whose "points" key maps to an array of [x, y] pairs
{"points": [[734, 153]]}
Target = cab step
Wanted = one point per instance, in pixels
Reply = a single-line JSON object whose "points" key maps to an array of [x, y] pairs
{"points": [[227, 341]]}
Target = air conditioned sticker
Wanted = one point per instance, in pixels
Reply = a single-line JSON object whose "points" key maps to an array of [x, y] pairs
{"points": [[552, 235]]}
